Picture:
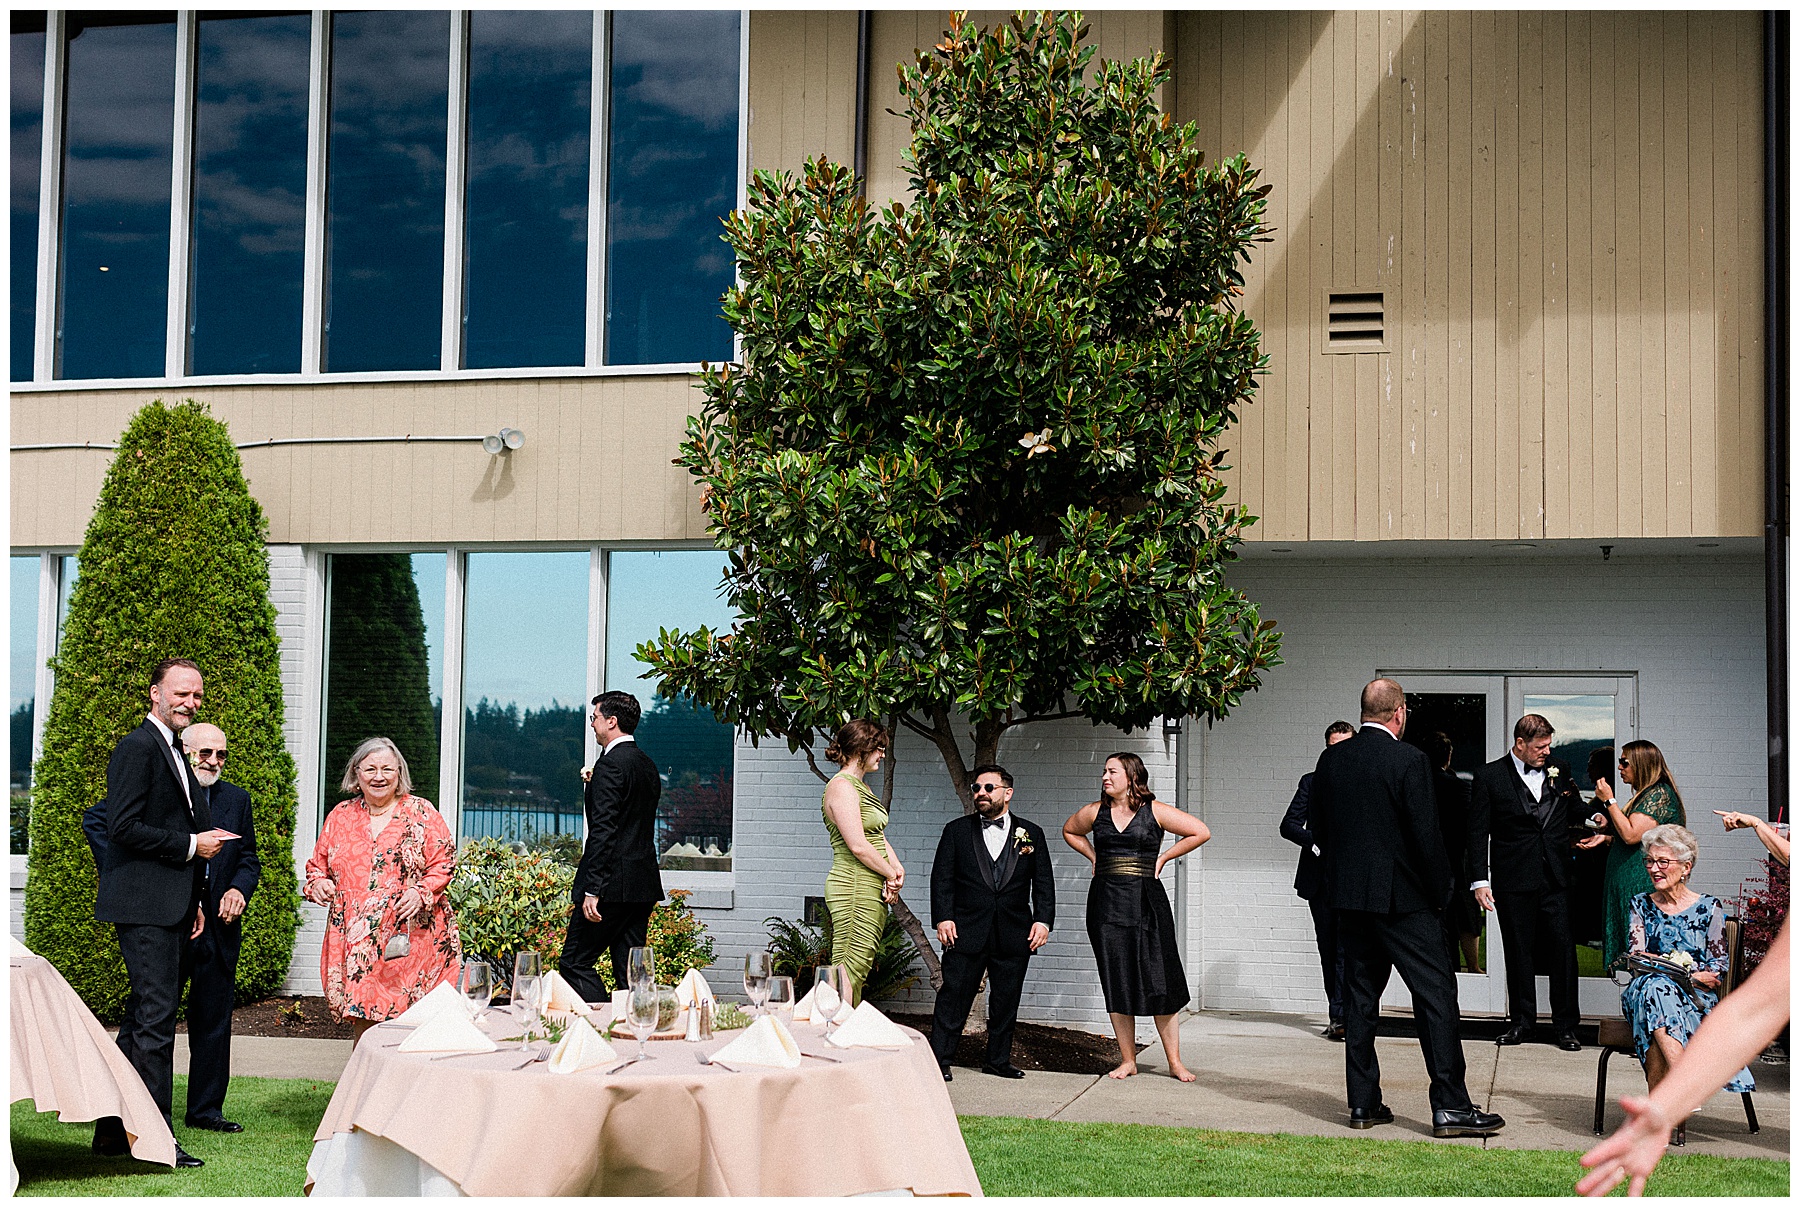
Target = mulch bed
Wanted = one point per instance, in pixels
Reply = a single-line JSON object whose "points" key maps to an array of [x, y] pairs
{"points": [[277, 1016]]}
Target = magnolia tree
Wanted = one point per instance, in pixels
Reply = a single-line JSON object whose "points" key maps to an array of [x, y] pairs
{"points": [[967, 471]]}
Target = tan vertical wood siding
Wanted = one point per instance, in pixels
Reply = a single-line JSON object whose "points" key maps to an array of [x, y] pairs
{"points": [[802, 88], [1563, 211]]}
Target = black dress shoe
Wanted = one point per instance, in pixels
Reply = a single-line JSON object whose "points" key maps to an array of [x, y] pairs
{"points": [[110, 1139], [1468, 1122], [186, 1160], [1005, 1070], [219, 1124], [1362, 1118], [1567, 1042], [947, 1076], [1334, 1032], [1519, 1033]]}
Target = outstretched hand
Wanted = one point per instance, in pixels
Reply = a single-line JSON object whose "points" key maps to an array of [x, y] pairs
{"points": [[1631, 1152]]}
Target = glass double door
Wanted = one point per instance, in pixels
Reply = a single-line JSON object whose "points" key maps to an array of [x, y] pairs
{"points": [[1471, 716]]}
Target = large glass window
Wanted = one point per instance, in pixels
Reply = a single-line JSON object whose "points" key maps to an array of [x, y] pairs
{"points": [[530, 75], [249, 194], [117, 157], [390, 81], [647, 592], [672, 176], [24, 620], [525, 680], [384, 663], [27, 149]]}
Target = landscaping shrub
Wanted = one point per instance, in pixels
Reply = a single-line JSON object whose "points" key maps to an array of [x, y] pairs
{"points": [[507, 902], [173, 565], [801, 946]]}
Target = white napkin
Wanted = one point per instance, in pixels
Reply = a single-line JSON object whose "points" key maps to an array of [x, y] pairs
{"points": [[448, 1032], [803, 1009], [693, 990], [868, 1027], [581, 1047], [766, 1042], [560, 995], [443, 999]]}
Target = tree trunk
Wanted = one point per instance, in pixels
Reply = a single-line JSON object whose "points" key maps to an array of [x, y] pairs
{"points": [[909, 921]]}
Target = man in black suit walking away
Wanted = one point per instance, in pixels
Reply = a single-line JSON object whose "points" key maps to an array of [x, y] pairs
{"points": [[1309, 882], [209, 962], [617, 883], [993, 900], [158, 836], [1532, 813], [1374, 817]]}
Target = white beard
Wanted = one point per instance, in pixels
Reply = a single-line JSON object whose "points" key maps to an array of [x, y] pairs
{"points": [[207, 778]]}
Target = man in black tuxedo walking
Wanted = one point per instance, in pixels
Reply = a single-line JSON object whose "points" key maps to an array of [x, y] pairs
{"points": [[1531, 811], [1374, 817], [617, 883], [158, 836], [993, 900], [1309, 882], [209, 962]]}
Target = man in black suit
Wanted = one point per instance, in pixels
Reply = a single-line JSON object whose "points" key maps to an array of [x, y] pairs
{"points": [[158, 836], [1309, 882], [993, 901], [209, 962], [617, 883], [1375, 820], [1532, 813]]}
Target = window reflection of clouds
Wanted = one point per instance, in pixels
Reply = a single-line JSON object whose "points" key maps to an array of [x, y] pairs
{"points": [[389, 93], [116, 165], [250, 194], [27, 148]]}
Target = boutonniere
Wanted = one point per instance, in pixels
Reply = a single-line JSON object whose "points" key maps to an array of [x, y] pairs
{"points": [[1022, 841], [1551, 774]]}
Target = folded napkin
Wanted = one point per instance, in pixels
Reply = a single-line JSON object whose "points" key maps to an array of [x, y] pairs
{"points": [[444, 999], [806, 1009], [868, 1027], [448, 1032], [765, 1042], [560, 995], [581, 1047], [694, 990]]}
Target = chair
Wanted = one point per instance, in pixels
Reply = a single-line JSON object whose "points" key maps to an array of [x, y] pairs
{"points": [[1615, 1036]]}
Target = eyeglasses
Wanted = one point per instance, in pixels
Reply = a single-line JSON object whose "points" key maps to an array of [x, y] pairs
{"points": [[1662, 863], [205, 755], [988, 788], [1624, 763]]}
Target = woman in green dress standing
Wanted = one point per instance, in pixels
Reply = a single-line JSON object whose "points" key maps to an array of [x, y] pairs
{"points": [[1656, 802], [865, 873]]}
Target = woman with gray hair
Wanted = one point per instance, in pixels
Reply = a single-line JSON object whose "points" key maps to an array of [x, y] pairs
{"points": [[1684, 929], [380, 868]]}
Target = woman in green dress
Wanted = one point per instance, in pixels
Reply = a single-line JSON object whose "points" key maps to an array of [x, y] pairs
{"points": [[1656, 802], [865, 873]]}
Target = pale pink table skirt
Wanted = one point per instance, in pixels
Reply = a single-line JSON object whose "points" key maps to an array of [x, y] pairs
{"points": [[64, 1061], [876, 1121]]}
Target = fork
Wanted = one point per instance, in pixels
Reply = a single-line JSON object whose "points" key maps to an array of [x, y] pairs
{"points": [[704, 1059], [534, 1057]]}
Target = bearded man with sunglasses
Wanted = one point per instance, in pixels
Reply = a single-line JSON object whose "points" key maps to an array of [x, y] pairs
{"points": [[993, 901]]}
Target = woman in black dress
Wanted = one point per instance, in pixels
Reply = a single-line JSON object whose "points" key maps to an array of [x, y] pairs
{"points": [[1129, 921]]}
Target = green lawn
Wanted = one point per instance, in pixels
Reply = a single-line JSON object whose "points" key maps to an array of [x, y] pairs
{"points": [[1045, 1157], [1012, 1157], [267, 1158]]}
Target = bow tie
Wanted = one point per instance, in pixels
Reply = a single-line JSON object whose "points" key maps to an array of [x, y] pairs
{"points": [[996, 822]]}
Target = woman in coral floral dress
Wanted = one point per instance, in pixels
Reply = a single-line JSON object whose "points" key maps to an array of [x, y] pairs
{"points": [[380, 867]]}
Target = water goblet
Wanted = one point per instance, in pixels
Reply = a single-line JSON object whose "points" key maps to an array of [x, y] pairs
{"points": [[759, 966], [645, 1012], [526, 964], [640, 967], [527, 995], [477, 985], [781, 997], [828, 997]]}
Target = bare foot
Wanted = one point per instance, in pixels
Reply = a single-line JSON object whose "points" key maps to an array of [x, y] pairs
{"points": [[1124, 1071], [1179, 1071]]}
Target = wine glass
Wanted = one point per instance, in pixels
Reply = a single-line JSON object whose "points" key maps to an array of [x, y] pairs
{"points": [[527, 994], [640, 967], [828, 993], [645, 1010], [759, 966], [526, 964], [477, 985], [781, 997]]}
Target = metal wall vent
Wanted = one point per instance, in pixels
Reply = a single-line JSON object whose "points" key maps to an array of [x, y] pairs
{"points": [[1355, 322]]}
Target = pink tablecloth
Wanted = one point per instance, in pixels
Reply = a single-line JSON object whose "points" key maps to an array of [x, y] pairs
{"points": [[874, 1121], [64, 1061]]}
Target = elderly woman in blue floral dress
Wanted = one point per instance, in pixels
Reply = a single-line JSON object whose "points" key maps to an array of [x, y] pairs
{"points": [[1674, 921]]}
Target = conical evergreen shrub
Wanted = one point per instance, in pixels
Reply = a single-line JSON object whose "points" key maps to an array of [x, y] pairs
{"points": [[173, 565]]}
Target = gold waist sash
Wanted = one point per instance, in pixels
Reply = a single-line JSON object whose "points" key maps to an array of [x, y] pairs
{"points": [[1127, 865]]}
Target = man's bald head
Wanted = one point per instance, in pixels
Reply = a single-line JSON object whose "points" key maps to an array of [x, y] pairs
{"points": [[205, 747], [1382, 700]]}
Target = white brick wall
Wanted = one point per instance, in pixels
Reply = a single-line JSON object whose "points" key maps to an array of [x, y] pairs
{"points": [[287, 591]]}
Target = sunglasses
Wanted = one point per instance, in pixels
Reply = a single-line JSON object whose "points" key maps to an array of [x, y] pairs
{"points": [[980, 788], [205, 754]]}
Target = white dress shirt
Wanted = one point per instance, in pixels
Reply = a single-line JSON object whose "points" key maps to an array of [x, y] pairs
{"points": [[168, 737], [1383, 728], [624, 737], [995, 836]]}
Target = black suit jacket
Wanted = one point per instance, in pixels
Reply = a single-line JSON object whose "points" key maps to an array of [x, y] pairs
{"points": [[146, 876], [1309, 877], [1531, 842], [236, 866], [993, 904], [618, 860], [1374, 816]]}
